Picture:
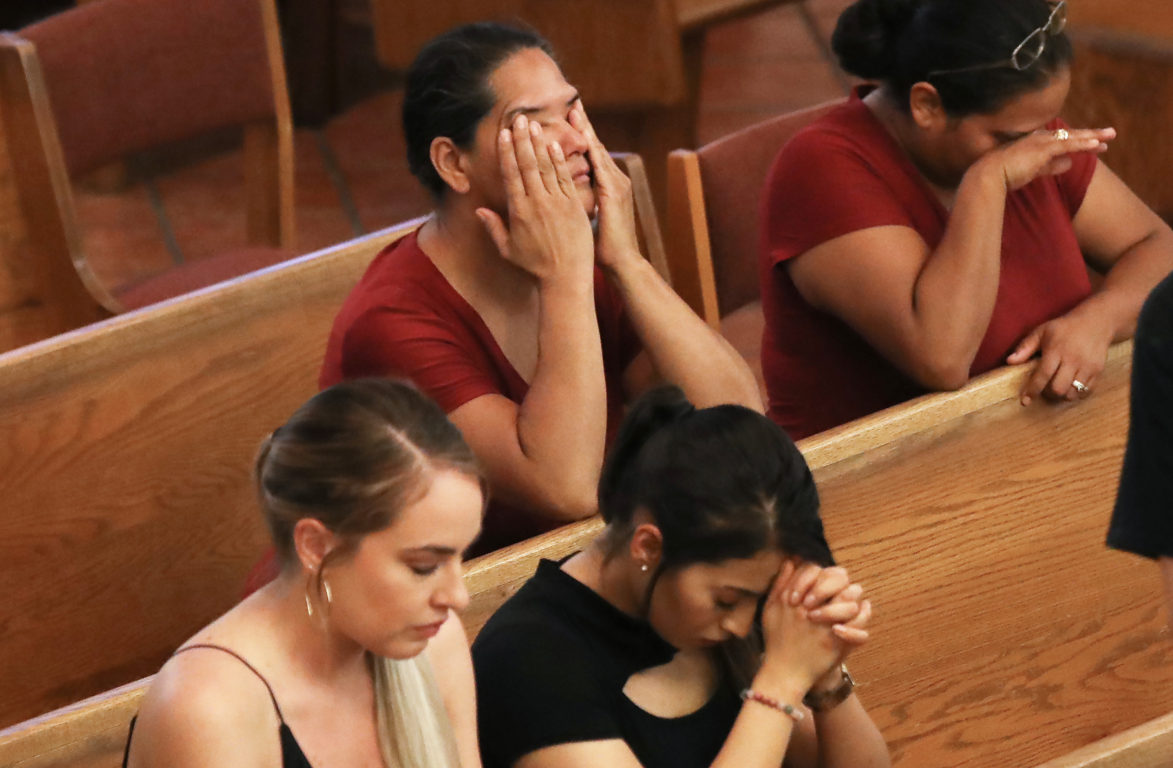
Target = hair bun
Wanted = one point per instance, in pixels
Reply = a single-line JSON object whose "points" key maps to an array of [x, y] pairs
{"points": [[867, 36], [652, 412]]}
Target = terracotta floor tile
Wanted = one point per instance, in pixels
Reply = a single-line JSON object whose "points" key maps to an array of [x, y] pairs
{"points": [[367, 141], [205, 203], [754, 68], [121, 235], [319, 214]]}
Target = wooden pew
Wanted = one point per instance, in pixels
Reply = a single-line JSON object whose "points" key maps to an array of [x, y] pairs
{"points": [[1146, 746], [1006, 634], [92, 733], [129, 517]]}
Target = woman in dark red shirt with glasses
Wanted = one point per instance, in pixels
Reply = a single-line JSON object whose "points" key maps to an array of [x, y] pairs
{"points": [[941, 223]]}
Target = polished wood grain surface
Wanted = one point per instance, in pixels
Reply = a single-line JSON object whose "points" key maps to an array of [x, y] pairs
{"points": [[129, 504], [130, 519], [1146, 746], [1006, 634]]}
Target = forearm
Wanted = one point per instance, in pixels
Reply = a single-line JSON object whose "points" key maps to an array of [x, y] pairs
{"points": [[761, 735], [954, 294], [562, 422], [684, 350], [1130, 280], [849, 739]]}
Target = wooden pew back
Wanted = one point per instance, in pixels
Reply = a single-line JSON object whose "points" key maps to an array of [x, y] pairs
{"points": [[129, 447], [129, 518], [92, 733], [1123, 80], [1006, 634]]}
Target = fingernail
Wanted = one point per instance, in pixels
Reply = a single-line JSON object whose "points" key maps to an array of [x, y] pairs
{"points": [[794, 598], [505, 134], [810, 601], [815, 613], [521, 122], [535, 129], [557, 150], [1025, 400]]}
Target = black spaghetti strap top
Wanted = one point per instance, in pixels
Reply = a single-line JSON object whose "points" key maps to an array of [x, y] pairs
{"points": [[291, 754]]}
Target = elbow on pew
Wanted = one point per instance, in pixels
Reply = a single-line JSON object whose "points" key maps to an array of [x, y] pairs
{"points": [[567, 502]]}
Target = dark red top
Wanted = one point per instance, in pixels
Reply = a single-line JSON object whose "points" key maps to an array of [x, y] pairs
{"points": [[845, 173], [405, 319]]}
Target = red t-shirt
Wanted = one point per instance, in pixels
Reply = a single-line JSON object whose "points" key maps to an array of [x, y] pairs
{"points": [[845, 173], [404, 319]]}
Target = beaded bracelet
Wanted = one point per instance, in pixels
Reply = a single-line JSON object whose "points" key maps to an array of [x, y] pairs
{"points": [[789, 710]]}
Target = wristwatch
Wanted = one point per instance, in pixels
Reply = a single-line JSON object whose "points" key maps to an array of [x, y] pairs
{"points": [[821, 701]]}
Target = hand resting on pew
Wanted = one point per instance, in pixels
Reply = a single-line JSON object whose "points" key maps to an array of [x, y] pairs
{"points": [[353, 655], [943, 221], [646, 648]]}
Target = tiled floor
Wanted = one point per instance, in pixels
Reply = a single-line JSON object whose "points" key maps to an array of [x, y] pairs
{"points": [[351, 176]]}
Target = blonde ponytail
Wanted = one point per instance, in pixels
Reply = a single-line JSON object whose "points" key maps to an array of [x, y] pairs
{"points": [[414, 730]]}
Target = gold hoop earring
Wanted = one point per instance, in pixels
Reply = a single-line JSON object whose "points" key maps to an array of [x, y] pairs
{"points": [[309, 607], [329, 594]]}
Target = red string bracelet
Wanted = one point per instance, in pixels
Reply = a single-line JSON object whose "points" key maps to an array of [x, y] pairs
{"points": [[789, 710]]}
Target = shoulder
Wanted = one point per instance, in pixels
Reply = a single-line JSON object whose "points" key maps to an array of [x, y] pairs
{"points": [[843, 158], [848, 131], [538, 682], [530, 619], [400, 273], [532, 636], [205, 708]]}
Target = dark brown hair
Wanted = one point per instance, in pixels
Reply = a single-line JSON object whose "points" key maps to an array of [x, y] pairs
{"points": [[904, 42], [353, 457], [447, 91]]}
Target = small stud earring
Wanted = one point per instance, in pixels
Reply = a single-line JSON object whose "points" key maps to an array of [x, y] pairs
{"points": [[644, 568]]}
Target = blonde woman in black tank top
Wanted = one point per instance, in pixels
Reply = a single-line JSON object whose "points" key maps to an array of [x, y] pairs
{"points": [[353, 656]]}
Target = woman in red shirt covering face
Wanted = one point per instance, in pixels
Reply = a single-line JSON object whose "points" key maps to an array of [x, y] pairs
{"points": [[528, 328], [941, 222]]}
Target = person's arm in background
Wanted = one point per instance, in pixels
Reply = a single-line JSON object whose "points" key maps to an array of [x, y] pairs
{"points": [[927, 310], [678, 346], [546, 453]]}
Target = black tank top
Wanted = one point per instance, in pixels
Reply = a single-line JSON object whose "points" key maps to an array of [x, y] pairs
{"points": [[291, 754]]}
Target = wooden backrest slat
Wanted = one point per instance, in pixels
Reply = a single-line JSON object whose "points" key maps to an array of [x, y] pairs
{"points": [[127, 449]]}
